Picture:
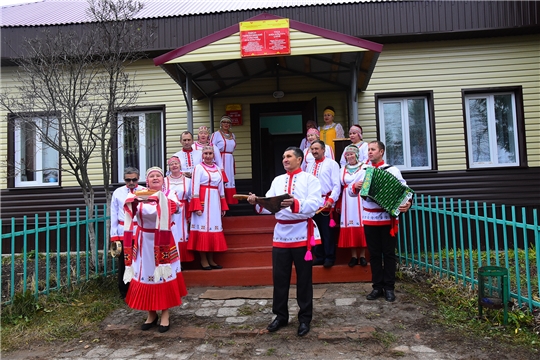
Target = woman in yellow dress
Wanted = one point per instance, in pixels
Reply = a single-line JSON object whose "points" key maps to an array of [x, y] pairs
{"points": [[330, 130]]}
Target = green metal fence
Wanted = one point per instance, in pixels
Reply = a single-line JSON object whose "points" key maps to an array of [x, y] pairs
{"points": [[45, 254], [454, 238]]}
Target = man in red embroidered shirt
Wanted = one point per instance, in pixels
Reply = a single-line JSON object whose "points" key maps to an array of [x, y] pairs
{"points": [[294, 235], [189, 158], [381, 231]]}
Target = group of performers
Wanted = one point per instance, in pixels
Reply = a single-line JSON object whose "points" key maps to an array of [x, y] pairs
{"points": [[159, 225], [182, 212]]}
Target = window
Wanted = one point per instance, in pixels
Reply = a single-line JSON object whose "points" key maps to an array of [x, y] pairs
{"points": [[405, 128], [35, 162], [492, 129], [140, 142]]}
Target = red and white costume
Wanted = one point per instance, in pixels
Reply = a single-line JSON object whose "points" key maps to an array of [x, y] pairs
{"points": [[151, 258], [362, 153], [327, 171], [217, 156], [180, 220], [189, 159], [294, 222], [117, 211], [208, 195], [309, 159], [351, 233], [226, 145], [372, 213]]}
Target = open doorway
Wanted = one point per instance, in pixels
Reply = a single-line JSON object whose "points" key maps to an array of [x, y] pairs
{"points": [[275, 127]]}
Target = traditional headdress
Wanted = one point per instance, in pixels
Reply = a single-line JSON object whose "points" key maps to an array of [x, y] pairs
{"points": [[352, 149], [329, 111], [151, 170], [314, 131], [225, 118], [173, 158], [356, 129], [203, 129]]}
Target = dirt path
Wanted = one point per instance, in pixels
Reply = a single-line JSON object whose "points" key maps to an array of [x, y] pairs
{"points": [[345, 326]]}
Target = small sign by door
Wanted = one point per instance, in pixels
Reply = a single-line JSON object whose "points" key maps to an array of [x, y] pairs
{"points": [[234, 111]]}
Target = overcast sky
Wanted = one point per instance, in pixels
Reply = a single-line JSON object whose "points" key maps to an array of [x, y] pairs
{"points": [[11, 2]]}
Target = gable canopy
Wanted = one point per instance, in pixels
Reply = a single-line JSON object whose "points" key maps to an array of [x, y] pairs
{"points": [[209, 66]]}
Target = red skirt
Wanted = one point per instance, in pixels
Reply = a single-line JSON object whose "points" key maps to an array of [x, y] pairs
{"points": [[229, 193], [185, 254], [154, 297], [207, 241], [352, 237]]}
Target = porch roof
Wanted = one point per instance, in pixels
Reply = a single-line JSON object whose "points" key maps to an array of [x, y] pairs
{"points": [[214, 63]]}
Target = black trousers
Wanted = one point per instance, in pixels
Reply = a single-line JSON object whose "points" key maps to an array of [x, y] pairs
{"points": [[327, 249], [382, 251], [122, 287], [282, 260]]}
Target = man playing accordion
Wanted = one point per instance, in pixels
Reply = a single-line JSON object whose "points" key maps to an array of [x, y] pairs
{"points": [[380, 229]]}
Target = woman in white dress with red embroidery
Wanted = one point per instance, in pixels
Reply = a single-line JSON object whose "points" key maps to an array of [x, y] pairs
{"points": [[225, 141], [312, 135], [351, 232], [355, 134], [180, 225], [207, 207], [203, 139], [151, 257]]}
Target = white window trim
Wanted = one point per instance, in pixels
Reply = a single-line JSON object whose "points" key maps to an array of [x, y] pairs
{"points": [[405, 131], [490, 97], [142, 142], [38, 156]]}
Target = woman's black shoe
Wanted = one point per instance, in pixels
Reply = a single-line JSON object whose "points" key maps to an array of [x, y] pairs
{"points": [[206, 267], [148, 326], [353, 262], [363, 261], [163, 329], [216, 266]]}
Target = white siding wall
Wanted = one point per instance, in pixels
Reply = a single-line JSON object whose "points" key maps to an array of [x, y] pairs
{"points": [[448, 67], [444, 67]]}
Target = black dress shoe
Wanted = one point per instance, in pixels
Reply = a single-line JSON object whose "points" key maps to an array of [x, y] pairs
{"points": [[389, 295], [148, 326], [163, 328], [328, 264], [353, 262], [216, 266], [303, 329], [276, 325], [206, 267], [374, 294], [318, 262], [363, 261]]}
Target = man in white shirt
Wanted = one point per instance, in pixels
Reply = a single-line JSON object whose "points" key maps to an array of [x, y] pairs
{"points": [[189, 158], [131, 178], [327, 171]]}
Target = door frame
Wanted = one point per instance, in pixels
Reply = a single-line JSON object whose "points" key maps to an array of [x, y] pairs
{"points": [[309, 112]]}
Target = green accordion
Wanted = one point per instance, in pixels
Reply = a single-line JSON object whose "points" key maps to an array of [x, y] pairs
{"points": [[385, 189]]}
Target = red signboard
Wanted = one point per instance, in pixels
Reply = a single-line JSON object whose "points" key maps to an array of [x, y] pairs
{"points": [[265, 37], [234, 111]]}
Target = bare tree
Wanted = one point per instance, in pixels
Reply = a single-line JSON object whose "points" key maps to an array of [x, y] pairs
{"points": [[76, 83]]}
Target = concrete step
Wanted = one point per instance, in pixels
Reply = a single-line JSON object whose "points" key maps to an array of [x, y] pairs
{"points": [[262, 276]]}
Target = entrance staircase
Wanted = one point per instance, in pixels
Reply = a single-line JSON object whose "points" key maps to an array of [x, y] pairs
{"points": [[248, 261]]}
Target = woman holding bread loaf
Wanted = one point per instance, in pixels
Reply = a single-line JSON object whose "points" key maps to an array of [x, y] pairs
{"points": [[151, 256]]}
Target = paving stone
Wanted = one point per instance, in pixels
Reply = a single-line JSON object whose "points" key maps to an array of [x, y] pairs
{"points": [[206, 312], [331, 336], [401, 348], [117, 327], [123, 353], [234, 302], [209, 303], [345, 302], [366, 329], [226, 312], [236, 319], [422, 349], [205, 348]]}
